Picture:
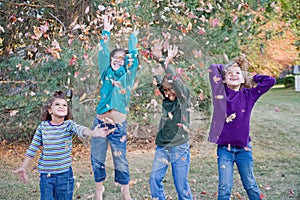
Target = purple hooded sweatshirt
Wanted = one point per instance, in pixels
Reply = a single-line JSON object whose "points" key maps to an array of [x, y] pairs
{"points": [[232, 109]]}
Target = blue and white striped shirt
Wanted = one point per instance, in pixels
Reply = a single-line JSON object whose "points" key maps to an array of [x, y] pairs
{"points": [[56, 143]]}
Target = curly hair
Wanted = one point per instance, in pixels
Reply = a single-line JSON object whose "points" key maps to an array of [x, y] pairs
{"points": [[45, 115], [244, 64]]}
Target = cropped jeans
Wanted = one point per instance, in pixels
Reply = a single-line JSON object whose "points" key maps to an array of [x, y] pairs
{"points": [[179, 157], [117, 141], [227, 156]]}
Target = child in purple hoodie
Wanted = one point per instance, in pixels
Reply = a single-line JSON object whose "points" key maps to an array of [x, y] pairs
{"points": [[234, 94]]}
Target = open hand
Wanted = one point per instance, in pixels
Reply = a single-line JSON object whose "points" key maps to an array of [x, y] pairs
{"points": [[136, 31], [22, 174], [100, 132], [156, 48], [107, 23]]}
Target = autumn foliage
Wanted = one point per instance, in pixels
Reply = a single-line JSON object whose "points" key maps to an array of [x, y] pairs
{"points": [[50, 45]]}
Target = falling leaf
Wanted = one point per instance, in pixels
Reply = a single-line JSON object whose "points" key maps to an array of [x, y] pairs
{"points": [[101, 8], [190, 26], [202, 31], [37, 32], [292, 193], [215, 22], [82, 97], [197, 53], [76, 74], [219, 97], [231, 117], [73, 60], [216, 79], [2, 29], [123, 91], [234, 18], [170, 115], [201, 96], [157, 92], [123, 138], [87, 10]]}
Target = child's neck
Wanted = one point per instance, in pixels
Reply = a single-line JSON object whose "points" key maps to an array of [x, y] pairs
{"points": [[57, 120], [234, 87]]}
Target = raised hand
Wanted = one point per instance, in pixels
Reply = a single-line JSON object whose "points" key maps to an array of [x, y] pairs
{"points": [[107, 23], [136, 31], [172, 51], [156, 48]]}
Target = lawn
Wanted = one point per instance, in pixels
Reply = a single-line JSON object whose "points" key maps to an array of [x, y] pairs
{"points": [[275, 131]]}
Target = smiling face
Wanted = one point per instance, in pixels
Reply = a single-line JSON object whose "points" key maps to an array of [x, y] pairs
{"points": [[117, 60], [59, 108], [234, 77], [169, 92]]}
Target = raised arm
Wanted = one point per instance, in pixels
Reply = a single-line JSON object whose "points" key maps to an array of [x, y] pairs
{"points": [[103, 54], [182, 92], [264, 83]]}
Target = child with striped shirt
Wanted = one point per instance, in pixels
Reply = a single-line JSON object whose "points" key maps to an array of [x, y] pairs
{"points": [[54, 135]]}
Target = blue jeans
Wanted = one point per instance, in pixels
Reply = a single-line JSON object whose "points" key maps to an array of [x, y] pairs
{"points": [[118, 142], [244, 161], [57, 186], [179, 157]]}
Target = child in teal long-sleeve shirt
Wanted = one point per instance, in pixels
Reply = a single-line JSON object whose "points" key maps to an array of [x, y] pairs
{"points": [[117, 73]]}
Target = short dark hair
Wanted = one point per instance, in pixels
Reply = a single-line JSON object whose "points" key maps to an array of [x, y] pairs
{"points": [[113, 52]]}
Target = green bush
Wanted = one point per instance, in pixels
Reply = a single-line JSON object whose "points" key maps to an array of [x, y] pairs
{"points": [[289, 81]]}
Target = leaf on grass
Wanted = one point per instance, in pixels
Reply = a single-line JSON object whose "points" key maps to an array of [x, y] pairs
{"points": [[13, 113]]}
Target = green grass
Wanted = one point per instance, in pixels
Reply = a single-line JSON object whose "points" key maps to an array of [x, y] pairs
{"points": [[275, 131]]}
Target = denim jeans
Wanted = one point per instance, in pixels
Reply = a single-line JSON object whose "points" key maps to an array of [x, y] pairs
{"points": [[179, 157], [57, 186], [118, 142], [227, 156]]}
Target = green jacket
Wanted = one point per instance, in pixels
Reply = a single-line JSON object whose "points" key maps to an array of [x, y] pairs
{"points": [[176, 115]]}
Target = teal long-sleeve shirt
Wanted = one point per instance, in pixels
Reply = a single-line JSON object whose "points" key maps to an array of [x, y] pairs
{"points": [[116, 85]]}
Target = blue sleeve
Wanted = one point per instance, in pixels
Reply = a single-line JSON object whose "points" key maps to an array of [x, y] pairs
{"points": [[77, 129], [103, 54]]}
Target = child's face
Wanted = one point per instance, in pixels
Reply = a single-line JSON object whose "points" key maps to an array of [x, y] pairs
{"points": [[59, 108], [169, 92], [117, 60], [234, 77]]}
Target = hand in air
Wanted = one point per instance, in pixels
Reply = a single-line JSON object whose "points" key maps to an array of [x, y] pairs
{"points": [[136, 31], [107, 23], [156, 48]]}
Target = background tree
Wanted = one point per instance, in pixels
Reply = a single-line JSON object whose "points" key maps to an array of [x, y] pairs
{"points": [[50, 45]]}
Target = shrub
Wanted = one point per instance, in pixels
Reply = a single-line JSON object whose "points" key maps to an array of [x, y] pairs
{"points": [[289, 81]]}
